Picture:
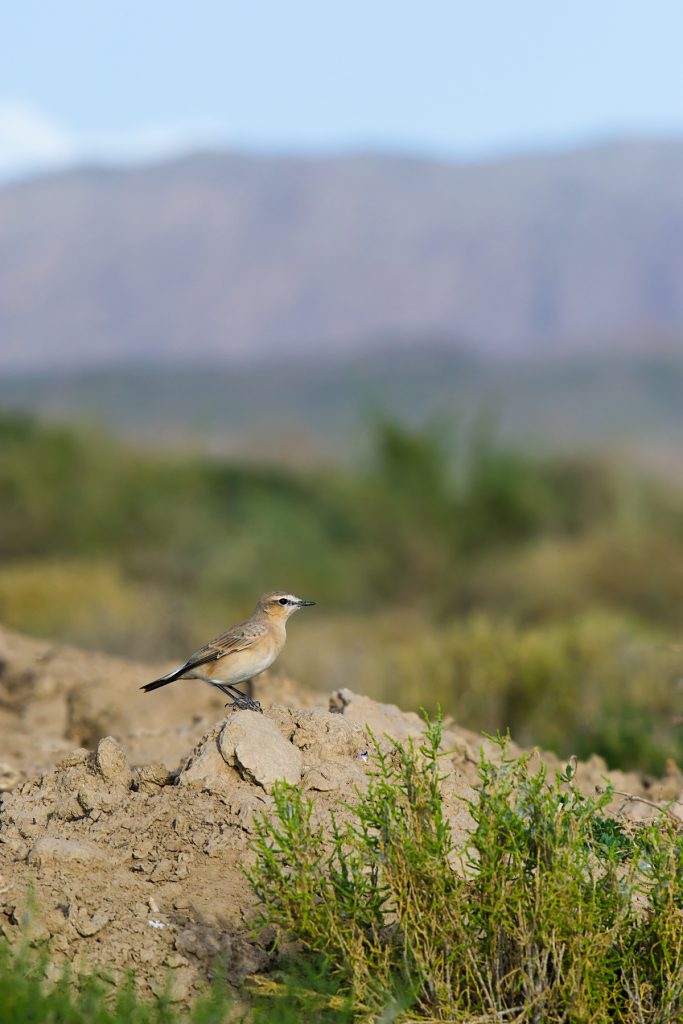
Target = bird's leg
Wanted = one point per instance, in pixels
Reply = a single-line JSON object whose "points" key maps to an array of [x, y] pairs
{"points": [[236, 701], [240, 700]]}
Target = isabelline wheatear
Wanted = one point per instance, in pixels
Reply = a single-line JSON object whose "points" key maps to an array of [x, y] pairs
{"points": [[242, 652]]}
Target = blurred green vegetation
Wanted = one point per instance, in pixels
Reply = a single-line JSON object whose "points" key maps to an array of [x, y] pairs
{"points": [[35, 990], [540, 593]]}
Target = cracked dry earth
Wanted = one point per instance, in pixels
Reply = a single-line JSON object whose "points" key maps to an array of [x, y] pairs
{"points": [[129, 819]]}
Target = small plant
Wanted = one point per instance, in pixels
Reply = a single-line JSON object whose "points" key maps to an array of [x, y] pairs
{"points": [[27, 997], [550, 912]]}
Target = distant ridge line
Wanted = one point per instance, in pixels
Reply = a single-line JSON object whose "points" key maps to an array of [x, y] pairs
{"points": [[224, 256]]}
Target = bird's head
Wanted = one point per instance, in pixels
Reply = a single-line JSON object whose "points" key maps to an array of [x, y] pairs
{"points": [[280, 605]]}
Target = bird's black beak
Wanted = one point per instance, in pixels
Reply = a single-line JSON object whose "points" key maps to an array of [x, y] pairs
{"points": [[306, 604]]}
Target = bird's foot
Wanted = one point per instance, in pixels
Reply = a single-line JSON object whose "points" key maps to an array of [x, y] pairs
{"points": [[239, 700], [245, 703]]}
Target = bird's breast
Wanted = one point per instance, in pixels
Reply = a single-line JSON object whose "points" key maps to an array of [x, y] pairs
{"points": [[242, 665]]}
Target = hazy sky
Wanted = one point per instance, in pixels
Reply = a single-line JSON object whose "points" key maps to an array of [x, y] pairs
{"points": [[143, 78]]}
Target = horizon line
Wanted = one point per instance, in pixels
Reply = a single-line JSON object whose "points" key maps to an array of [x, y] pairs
{"points": [[351, 150]]}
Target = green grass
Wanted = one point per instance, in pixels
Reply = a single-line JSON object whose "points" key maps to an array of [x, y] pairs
{"points": [[550, 912], [28, 997]]}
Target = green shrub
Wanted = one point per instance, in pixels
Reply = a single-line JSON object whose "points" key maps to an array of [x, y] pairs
{"points": [[424, 525], [550, 912], [597, 682]]}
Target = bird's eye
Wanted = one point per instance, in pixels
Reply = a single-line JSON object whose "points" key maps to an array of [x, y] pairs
{"points": [[283, 600]]}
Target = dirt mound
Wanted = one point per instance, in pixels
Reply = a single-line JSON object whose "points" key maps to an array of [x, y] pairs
{"points": [[137, 862], [143, 867], [53, 698]]}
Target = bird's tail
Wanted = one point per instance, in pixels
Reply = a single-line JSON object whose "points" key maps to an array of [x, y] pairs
{"points": [[164, 681]]}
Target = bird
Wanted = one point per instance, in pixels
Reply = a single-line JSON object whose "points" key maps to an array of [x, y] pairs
{"points": [[241, 652]]}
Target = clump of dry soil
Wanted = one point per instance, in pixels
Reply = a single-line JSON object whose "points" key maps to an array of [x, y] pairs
{"points": [[134, 843]]}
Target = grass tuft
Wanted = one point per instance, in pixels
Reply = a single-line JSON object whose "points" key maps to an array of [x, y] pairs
{"points": [[550, 912]]}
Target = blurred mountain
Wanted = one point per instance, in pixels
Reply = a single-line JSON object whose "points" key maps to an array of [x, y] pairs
{"points": [[220, 255]]}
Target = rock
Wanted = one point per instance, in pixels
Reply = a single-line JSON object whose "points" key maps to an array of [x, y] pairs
{"points": [[150, 778], [50, 849], [254, 745], [321, 734], [75, 757], [112, 763], [163, 870], [82, 784], [205, 943], [380, 719], [9, 777], [207, 769], [87, 925]]}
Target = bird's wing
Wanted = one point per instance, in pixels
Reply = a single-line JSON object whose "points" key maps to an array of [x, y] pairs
{"points": [[237, 638]]}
